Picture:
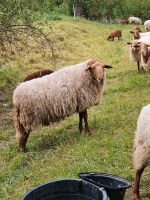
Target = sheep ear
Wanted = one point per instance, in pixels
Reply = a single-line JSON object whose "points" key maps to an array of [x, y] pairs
{"points": [[90, 64], [129, 42], [131, 31], [108, 66]]}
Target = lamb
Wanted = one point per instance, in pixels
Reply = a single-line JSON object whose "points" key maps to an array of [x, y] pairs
{"points": [[147, 25], [115, 33], [56, 96], [141, 154], [38, 74], [145, 56], [135, 20]]}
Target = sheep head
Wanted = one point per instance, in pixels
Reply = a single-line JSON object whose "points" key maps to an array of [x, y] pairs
{"points": [[135, 46], [97, 70], [136, 34]]}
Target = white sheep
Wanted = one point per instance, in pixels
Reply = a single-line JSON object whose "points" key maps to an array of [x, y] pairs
{"points": [[135, 20], [141, 155], [56, 96], [135, 50], [147, 25]]}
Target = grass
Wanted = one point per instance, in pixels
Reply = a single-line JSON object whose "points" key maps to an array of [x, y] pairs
{"points": [[59, 150]]}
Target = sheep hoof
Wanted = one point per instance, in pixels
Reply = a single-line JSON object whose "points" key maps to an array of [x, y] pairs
{"points": [[136, 194], [23, 150], [80, 129], [88, 131]]}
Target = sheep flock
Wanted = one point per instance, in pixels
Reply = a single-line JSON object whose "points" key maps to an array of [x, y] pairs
{"points": [[46, 97]]}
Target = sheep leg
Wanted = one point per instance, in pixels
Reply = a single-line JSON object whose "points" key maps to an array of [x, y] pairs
{"points": [[81, 116], [87, 129], [23, 139], [137, 182], [138, 64]]}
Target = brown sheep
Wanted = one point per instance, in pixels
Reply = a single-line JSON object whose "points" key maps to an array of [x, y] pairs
{"points": [[137, 28], [124, 21], [37, 74], [115, 33]]}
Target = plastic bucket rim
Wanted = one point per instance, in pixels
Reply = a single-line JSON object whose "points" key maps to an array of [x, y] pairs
{"points": [[101, 189], [106, 175]]}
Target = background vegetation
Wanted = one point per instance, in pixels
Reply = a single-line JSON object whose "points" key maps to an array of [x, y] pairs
{"points": [[59, 150], [109, 9]]}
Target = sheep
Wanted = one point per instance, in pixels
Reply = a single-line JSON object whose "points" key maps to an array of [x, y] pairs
{"points": [[137, 34], [135, 50], [82, 115], [115, 33], [124, 21], [137, 28], [145, 56], [38, 74], [147, 25], [135, 20], [56, 96], [141, 154], [134, 53]]}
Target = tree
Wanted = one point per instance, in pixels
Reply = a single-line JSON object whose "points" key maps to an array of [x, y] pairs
{"points": [[18, 27]]}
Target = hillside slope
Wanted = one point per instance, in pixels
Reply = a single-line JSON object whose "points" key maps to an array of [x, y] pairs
{"points": [[59, 150]]}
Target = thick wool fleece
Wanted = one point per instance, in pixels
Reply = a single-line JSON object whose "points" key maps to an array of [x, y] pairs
{"points": [[55, 96], [141, 155], [146, 63]]}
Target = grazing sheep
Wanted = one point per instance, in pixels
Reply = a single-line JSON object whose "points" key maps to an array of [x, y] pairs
{"points": [[145, 56], [135, 20], [124, 21], [147, 25], [115, 33], [141, 155], [56, 96], [38, 74]]}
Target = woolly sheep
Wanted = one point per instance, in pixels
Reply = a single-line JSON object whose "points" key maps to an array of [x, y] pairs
{"points": [[134, 20], [145, 56], [82, 115], [138, 35], [135, 51], [147, 25], [141, 155], [56, 96]]}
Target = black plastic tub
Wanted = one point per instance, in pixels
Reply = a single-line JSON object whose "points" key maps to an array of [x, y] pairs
{"points": [[66, 189], [115, 186]]}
